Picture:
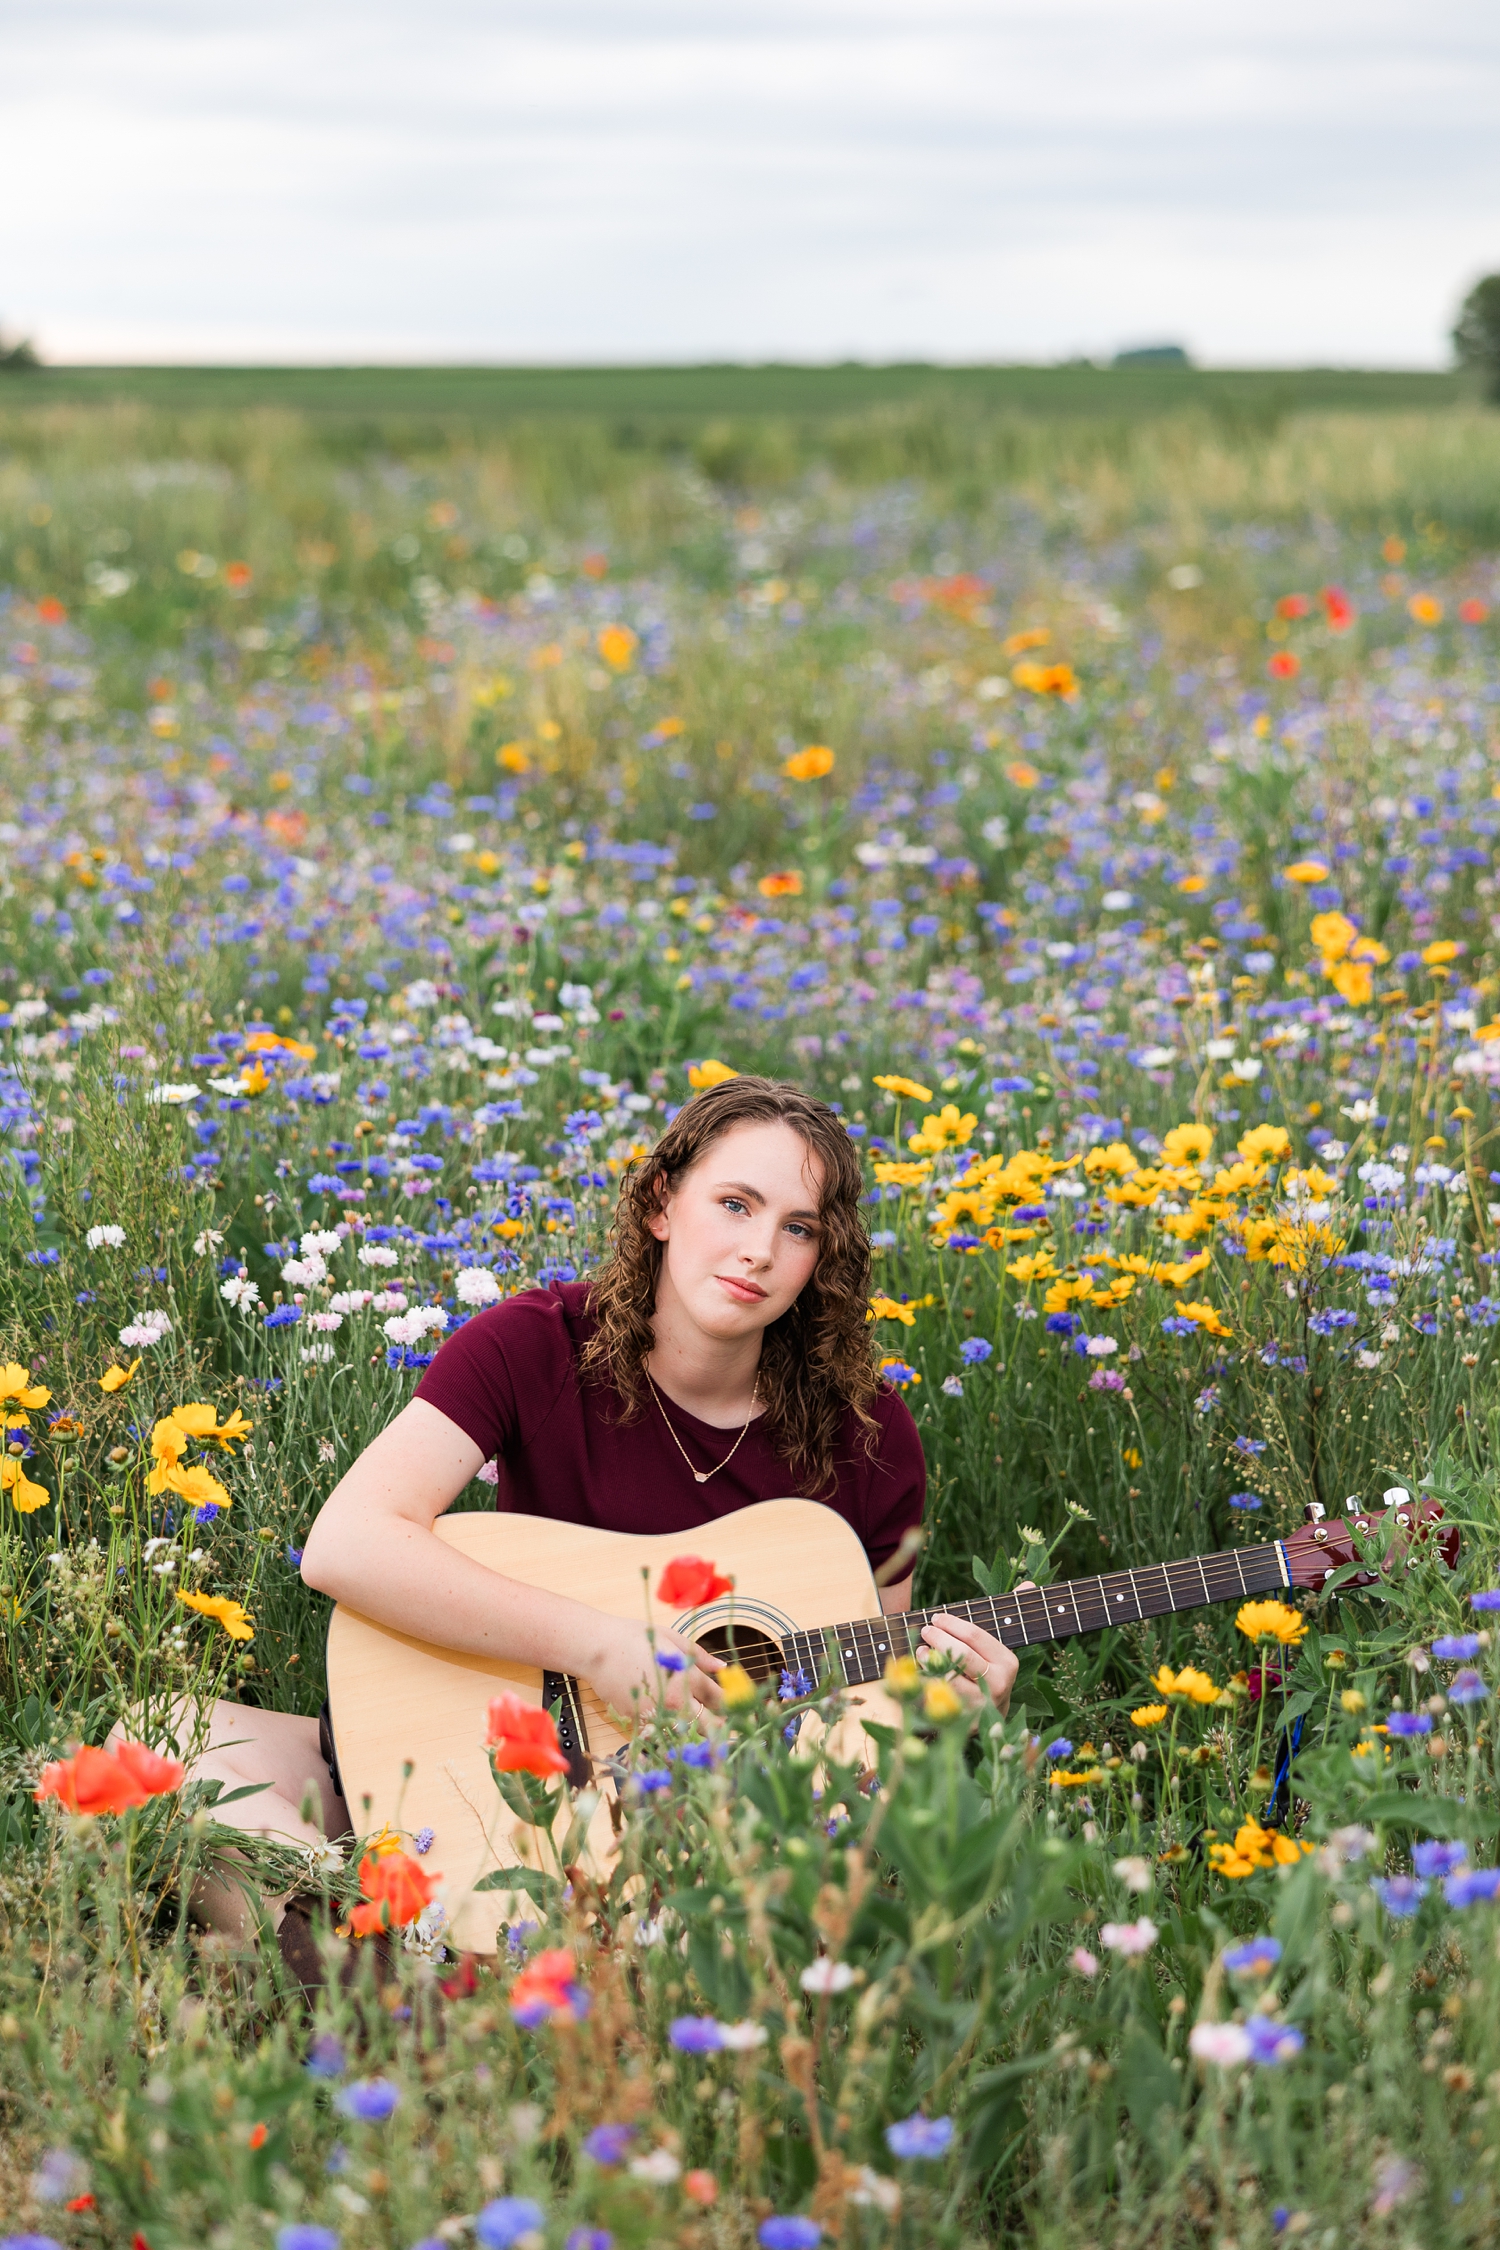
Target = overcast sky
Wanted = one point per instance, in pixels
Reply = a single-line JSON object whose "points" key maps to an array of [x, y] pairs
{"points": [[1279, 182]]}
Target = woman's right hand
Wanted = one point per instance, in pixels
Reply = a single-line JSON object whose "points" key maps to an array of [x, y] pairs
{"points": [[627, 1677]]}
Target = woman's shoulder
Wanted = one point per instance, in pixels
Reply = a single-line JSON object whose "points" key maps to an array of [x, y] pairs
{"points": [[898, 1446], [553, 1322]]}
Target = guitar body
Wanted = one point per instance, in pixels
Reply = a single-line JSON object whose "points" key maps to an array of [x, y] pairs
{"points": [[400, 1702]]}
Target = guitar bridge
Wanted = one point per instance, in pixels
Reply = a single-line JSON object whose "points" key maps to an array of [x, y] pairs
{"points": [[560, 1696]]}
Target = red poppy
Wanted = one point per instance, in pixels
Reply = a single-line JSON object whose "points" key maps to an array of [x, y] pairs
{"points": [[395, 1889], [1284, 665], [158, 1776], [50, 610], [237, 576], [91, 1782], [1338, 609], [688, 1582], [259, 2135], [464, 1982], [1473, 611], [139, 2242], [547, 1981], [522, 1738], [1293, 605], [79, 2203]]}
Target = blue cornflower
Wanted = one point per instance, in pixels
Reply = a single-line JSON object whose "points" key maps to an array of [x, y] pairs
{"points": [[371, 2100], [1252, 1445], [669, 1660], [1063, 1324], [1325, 1323], [975, 1350], [29, 2242], [607, 2144], [1400, 1895], [306, 2238], [1456, 1648], [653, 1779], [1489, 1599], [423, 1842], [294, 1557], [1438, 1859], [1272, 2042], [1175, 1325], [1473, 1886], [505, 2220], [1254, 1958], [695, 2035], [1010, 1085], [920, 2136], [325, 2057], [589, 2238], [1061, 1748], [283, 1316], [1246, 1502], [1405, 1723], [1467, 1686], [698, 1754], [790, 2233], [794, 1685]]}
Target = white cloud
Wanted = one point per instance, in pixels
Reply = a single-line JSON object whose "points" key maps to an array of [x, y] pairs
{"points": [[945, 178]]}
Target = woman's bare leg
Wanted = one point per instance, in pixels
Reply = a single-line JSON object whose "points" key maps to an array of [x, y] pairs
{"points": [[244, 1746]]}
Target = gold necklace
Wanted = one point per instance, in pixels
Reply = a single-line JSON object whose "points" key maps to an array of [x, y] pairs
{"points": [[702, 1476]]}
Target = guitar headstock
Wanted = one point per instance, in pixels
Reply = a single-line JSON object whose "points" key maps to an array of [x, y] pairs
{"points": [[1325, 1544]]}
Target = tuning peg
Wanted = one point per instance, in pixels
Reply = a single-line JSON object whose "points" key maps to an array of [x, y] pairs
{"points": [[1314, 1512], [1353, 1504]]}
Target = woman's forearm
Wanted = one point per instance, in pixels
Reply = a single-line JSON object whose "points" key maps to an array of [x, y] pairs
{"points": [[400, 1574]]}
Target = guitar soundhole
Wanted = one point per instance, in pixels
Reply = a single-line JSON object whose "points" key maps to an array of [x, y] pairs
{"points": [[741, 1644]]}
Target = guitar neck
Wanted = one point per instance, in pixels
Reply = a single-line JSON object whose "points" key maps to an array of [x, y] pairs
{"points": [[863, 1647]]}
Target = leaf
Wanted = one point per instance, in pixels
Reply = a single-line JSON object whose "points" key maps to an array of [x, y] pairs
{"points": [[1151, 2084], [233, 1796], [1440, 1816], [534, 1881]]}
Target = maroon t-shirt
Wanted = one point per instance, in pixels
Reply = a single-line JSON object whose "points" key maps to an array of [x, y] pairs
{"points": [[509, 1379]]}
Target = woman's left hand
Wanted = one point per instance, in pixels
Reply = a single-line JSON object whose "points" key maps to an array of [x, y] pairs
{"points": [[987, 1666]]}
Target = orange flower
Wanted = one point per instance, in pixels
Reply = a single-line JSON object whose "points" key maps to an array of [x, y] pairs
{"points": [[617, 645], [1020, 775], [259, 2135], [1338, 609], [1284, 665], [1353, 981], [1425, 609], [158, 1776], [237, 577], [1046, 679], [547, 1981], [1293, 605], [1037, 636], [115, 1378], [1307, 871], [810, 764], [700, 2187], [522, 1738], [1473, 611], [50, 610], [688, 1582], [395, 1890], [92, 1782], [786, 884]]}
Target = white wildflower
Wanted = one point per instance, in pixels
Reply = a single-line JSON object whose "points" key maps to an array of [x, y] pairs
{"points": [[173, 1097], [661, 2167], [824, 1975], [321, 1242], [1223, 2043], [1100, 1347], [409, 1328], [377, 1254], [476, 1285], [209, 1240], [105, 1238], [240, 1292], [349, 1300], [148, 1329], [1135, 1874], [303, 1273], [1129, 1938], [953, 1386], [326, 1322], [739, 2038]]}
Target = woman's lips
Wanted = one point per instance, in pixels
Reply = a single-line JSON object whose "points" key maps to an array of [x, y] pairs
{"points": [[743, 1292]]}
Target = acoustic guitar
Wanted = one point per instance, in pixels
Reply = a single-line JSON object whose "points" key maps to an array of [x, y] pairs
{"points": [[409, 1718]]}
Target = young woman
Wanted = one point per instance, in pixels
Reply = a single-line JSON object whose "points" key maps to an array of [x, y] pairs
{"points": [[721, 1356]]}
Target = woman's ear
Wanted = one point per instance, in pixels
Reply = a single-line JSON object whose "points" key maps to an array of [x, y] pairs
{"points": [[657, 1223]]}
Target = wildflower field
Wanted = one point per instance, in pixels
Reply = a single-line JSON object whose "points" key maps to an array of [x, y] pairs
{"points": [[395, 829]]}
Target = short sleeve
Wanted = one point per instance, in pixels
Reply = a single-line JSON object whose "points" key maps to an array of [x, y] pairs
{"points": [[897, 1486], [499, 1376]]}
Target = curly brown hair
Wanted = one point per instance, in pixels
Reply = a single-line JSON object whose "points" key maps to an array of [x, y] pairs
{"points": [[815, 1361]]}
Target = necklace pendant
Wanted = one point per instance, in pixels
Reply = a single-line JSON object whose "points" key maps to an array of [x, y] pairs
{"points": [[702, 1475]]}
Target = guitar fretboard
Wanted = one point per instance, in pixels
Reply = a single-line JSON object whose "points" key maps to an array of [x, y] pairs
{"points": [[861, 1649]]}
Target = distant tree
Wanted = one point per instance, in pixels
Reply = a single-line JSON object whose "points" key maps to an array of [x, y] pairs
{"points": [[18, 355], [1153, 355], [1476, 334]]}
